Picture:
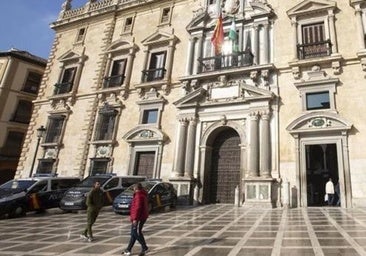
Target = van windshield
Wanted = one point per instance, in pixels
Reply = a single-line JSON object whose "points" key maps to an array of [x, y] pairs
{"points": [[89, 181], [17, 185]]}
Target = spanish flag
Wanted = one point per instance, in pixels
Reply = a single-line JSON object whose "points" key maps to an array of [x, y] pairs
{"points": [[217, 38]]}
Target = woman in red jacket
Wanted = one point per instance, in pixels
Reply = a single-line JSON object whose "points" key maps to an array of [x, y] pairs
{"points": [[139, 213]]}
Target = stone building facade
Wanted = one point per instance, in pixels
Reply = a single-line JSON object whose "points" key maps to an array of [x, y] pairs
{"points": [[135, 87], [20, 77]]}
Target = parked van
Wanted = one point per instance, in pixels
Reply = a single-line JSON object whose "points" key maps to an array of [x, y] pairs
{"points": [[19, 196], [75, 198]]}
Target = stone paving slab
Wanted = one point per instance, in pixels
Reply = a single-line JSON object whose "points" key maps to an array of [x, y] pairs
{"points": [[204, 230]]}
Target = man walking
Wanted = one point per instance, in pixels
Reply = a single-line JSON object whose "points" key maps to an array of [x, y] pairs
{"points": [[329, 190], [139, 213], [94, 202]]}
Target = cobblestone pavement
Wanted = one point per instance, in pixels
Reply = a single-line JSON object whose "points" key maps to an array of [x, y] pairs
{"points": [[204, 230]]}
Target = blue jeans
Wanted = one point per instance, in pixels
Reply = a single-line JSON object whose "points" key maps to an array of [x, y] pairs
{"points": [[330, 199], [136, 234]]}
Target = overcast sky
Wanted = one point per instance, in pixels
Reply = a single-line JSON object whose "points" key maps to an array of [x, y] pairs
{"points": [[25, 24]]}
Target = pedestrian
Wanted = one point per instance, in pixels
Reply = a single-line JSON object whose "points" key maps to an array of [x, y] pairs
{"points": [[338, 193], [329, 190], [94, 202], [139, 212]]}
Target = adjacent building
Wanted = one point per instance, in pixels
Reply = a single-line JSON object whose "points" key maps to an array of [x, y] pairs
{"points": [[248, 102], [20, 78]]}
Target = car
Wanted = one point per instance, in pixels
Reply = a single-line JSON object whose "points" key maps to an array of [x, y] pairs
{"points": [[38, 193], [112, 185], [160, 194]]}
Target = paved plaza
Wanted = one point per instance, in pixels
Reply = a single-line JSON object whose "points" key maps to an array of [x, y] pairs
{"points": [[204, 230]]}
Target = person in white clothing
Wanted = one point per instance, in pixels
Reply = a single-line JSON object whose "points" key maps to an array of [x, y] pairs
{"points": [[329, 190]]}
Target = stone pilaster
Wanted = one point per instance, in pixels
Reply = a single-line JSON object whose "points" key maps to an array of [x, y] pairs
{"points": [[265, 146], [180, 149], [189, 160], [253, 153]]}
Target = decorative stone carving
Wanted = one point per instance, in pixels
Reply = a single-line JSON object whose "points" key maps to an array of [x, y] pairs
{"points": [[254, 76], [51, 153], [336, 65], [319, 122], [103, 151], [146, 134], [265, 76], [296, 72]]}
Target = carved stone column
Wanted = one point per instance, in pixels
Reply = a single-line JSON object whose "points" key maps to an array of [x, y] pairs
{"points": [[180, 149], [131, 56], [197, 54], [189, 64], [333, 37], [253, 153], [360, 29], [265, 146], [255, 44], [294, 37], [189, 161], [265, 50]]}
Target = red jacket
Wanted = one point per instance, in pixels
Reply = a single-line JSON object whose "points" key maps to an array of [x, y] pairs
{"points": [[139, 206]]}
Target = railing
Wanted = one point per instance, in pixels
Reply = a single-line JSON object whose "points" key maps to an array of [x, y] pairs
{"points": [[61, 88], [153, 74], [234, 60], [313, 50], [113, 81]]}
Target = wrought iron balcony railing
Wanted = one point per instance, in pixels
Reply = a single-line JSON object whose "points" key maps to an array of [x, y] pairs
{"points": [[219, 62], [313, 50], [61, 88], [150, 75], [113, 81]]}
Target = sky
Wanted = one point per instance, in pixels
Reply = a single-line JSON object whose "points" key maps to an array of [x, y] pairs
{"points": [[25, 24]]}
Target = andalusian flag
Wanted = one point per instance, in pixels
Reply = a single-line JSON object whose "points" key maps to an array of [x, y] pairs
{"points": [[217, 38], [233, 36]]}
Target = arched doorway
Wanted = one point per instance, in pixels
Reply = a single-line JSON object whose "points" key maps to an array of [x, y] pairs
{"points": [[225, 167]]}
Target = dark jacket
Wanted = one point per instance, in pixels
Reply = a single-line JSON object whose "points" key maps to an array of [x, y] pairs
{"points": [[95, 200], [139, 206]]}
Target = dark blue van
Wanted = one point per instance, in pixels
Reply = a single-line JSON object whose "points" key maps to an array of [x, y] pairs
{"points": [[19, 196]]}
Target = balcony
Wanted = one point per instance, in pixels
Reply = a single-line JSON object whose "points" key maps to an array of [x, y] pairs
{"points": [[150, 75], [227, 61], [313, 50], [62, 88], [113, 81]]}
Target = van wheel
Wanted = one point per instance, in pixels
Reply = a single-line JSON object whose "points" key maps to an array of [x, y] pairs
{"points": [[173, 204], [150, 207], [17, 212]]}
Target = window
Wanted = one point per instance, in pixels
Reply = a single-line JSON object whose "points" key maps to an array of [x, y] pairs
{"points": [[80, 35], [150, 116], [99, 166], [117, 75], [112, 183], [32, 83], [45, 166], [165, 15], [314, 43], [128, 24], [315, 31], [13, 144], [317, 100], [40, 186], [156, 69], [317, 91], [54, 129], [106, 123], [67, 81], [23, 112]]}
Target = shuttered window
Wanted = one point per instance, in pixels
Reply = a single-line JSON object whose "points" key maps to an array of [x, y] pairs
{"points": [[54, 129]]}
